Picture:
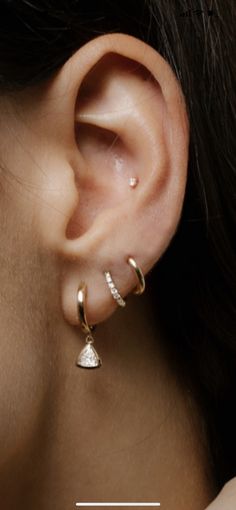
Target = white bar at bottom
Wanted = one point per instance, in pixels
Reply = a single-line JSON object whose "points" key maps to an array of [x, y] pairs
{"points": [[118, 504]]}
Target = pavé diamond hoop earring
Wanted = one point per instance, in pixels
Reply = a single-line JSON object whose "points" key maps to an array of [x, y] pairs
{"points": [[114, 292], [139, 289], [88, 357]]}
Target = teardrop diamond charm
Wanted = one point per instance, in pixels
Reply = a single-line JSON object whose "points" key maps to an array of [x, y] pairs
{"points": [[88, 357]]}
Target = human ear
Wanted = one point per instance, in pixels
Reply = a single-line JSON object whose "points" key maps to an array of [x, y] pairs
{"points": [[116, 111]]}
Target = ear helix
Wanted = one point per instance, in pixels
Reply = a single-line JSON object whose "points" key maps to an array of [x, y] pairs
{"points": [[88, 357]]}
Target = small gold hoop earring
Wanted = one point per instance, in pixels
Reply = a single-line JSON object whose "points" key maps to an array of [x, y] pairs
{"points": [[141, 280], [88, 357], [81, 297]]}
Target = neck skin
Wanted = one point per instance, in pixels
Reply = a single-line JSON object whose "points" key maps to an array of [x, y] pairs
{"points": [[127, 431]]}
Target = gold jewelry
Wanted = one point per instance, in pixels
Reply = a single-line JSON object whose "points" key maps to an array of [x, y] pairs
{"points": [[141, 280], [138, 290], [88, 357], [114, 292]]}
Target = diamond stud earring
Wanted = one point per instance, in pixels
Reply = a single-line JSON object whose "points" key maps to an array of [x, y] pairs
{"points": [[133, 181]]}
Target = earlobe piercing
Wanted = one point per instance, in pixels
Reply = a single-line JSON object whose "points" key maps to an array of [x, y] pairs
{"points": [[141, 280], [133, 181], [138, 290], [88, 357]]}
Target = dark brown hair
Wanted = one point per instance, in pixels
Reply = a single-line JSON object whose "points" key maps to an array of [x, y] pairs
{"points": [[194, 283]]}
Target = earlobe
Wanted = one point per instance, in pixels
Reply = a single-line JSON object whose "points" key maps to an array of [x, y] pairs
{"points": [[130, 122]]}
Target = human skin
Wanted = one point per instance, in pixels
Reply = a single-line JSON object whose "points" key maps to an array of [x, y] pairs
{"points": [[130, 430]]}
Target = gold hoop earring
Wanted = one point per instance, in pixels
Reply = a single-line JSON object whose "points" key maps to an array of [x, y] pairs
{"points": [[141, 280], [88, 357]]}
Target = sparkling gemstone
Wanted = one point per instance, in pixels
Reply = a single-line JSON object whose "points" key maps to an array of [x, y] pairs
{"points": [[133, 181], [121, 301], [88, 357]]}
